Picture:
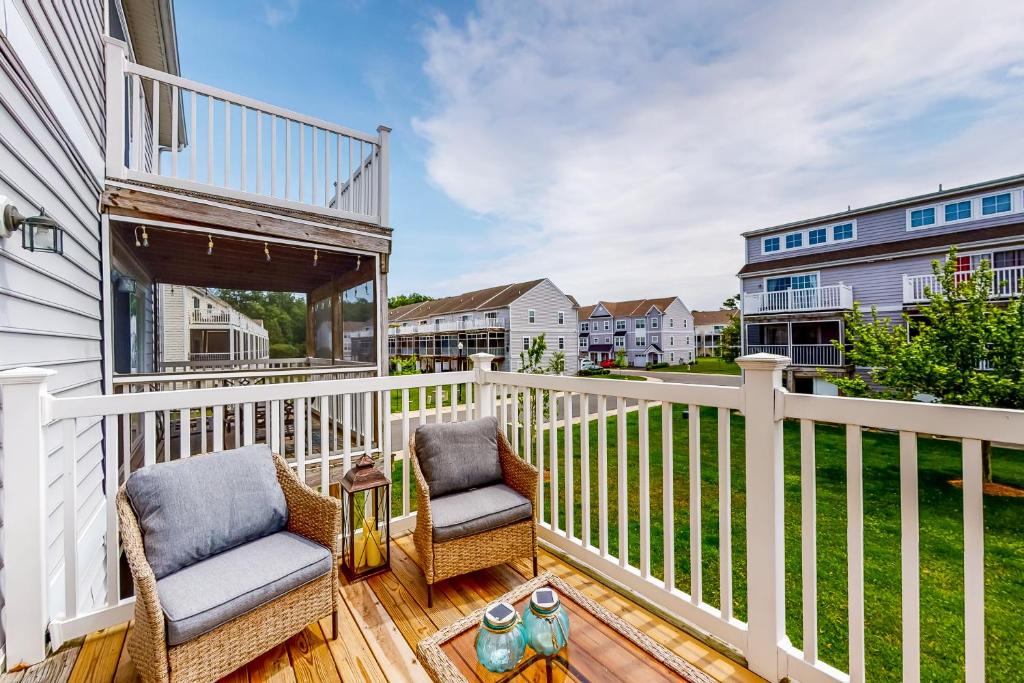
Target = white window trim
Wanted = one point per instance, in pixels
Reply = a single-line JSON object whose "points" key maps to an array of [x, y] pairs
{"points": [[655, 324], [1016, 206], [526, 343], [561, 317], [815, 273], [805, 240], [531, 315], [618, 323], [640, 320], [620, 342], [561, 343], [584, 327]]}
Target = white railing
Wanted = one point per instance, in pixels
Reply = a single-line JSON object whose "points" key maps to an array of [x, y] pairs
{"points": [[200, 317], [1006, 282], [818, 355], [619, 430], [475, 323], [832, 297], [776, 349], [243, 364], [234, 146], [166, 381]]}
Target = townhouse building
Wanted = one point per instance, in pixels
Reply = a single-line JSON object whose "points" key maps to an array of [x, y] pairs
{"points": [[708, 327], [646, 330], [196, 325], [800, 278], [503, 321]]}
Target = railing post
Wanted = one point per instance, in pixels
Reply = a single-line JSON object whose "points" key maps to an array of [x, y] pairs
{"points": [[25, 411], [762, 400], [117, 140], [484, 389], [383, 197]]}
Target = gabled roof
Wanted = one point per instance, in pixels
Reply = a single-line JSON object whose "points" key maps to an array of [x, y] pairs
{"points": [[720, 317], [625, 309], [479, 300]]}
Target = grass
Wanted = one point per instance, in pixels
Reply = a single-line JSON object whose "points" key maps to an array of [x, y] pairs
{"points": [[618, 376], [431, 395], [712, 366], [941, 542]]}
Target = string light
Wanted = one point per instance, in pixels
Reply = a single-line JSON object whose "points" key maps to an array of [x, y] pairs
{"points": [[359, 261], [145, 237], [316, 257], [209, 245], [266, 251]]}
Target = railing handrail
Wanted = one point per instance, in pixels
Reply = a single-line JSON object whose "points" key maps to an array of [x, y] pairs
{"points": [[239, 374], [249, 102]]}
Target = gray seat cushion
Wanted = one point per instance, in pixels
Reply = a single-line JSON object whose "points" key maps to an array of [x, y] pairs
{"points": [[194, 508], [458, 456], [201, 597], [471, 512]]}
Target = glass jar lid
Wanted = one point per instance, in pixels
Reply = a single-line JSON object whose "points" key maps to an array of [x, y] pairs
{"points": [[544, 601], [500, 616]]}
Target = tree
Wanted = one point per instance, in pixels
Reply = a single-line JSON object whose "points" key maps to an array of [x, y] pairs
{"points": [[730, 343], [557, 364], [530, 357], [406, 299], [963, 349], [732, 303], [405, 366], [283, 315], [620, 359]]}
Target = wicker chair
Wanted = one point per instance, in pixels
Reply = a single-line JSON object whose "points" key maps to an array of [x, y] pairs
{"points": [[443, 560], [234, 643]]}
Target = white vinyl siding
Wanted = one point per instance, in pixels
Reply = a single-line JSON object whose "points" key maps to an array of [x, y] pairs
{"points": [[544, 301]]}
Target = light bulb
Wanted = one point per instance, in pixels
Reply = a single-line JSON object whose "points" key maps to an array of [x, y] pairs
{"points": [[145, 237], [316, 257], [209, 246], [266, 251]]}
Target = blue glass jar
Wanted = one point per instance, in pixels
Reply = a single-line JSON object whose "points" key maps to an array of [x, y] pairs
{"points": [[546, 622], [501, 641]]}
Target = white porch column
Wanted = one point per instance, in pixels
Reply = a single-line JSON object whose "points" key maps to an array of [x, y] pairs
{"points": [[231, 343], [25, 411], [482, 362], [762, 400]]}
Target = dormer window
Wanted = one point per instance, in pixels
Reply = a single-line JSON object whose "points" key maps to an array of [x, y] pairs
{"points": [[817, 236], [958, 211], [998, 203], [794, 240], [771, 244], [922, 217], [842, 232]]}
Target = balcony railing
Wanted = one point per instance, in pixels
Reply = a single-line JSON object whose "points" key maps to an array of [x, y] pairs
{"points": [[319, 426], [234, 146], [474, 323], [1006, 283], [830, 298], [815, 355]]}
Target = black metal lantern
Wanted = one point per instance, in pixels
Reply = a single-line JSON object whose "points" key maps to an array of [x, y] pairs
{"points": [[38, 233], [366, 511]]}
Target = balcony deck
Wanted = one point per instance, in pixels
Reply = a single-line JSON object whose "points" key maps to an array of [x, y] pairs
{"points": [[385, 617]]}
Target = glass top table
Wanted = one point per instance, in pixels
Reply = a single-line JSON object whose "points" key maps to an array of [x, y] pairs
{"points": [[602, 647]]}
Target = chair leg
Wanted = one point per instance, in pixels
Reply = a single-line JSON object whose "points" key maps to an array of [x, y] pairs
{"points": [[334, 625], [430, 595], [535, 566]]}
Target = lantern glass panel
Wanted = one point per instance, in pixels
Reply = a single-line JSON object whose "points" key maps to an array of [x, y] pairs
{"points": [[367, 528]]}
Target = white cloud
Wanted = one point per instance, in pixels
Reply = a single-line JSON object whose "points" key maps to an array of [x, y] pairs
{"points": [[621, 151], [278, 12]]}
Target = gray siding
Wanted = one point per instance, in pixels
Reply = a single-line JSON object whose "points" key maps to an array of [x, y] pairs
{"points": [[547, 300], [50, 306]]}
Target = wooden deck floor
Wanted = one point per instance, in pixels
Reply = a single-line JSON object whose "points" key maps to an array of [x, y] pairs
{"points": [[384, 618]]}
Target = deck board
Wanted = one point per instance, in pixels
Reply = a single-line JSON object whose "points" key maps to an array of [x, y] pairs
{"points": [[381, 621]]}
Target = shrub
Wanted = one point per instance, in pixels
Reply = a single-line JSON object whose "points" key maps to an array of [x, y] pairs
{"points": [[594, 372]]}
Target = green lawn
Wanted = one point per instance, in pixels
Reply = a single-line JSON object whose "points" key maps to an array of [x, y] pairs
{"points": [[618, 376], [713, 366], [941, 545], [414, 398]]}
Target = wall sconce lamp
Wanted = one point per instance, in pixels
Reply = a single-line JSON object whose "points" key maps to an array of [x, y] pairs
{"points": [[126, 285], [38, 233]]}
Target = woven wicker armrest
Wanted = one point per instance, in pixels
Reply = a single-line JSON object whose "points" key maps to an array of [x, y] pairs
{"points": [[520, 476], [310, 514], [149, 617]]}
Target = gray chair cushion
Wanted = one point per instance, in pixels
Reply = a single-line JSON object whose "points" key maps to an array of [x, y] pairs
{"points": [[471, 512], [201, 597], [194, 508], [459, 455]]}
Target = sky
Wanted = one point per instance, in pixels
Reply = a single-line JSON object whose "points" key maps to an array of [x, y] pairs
{"points": [[620, 149]]}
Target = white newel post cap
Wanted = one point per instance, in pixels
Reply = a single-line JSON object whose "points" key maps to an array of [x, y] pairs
{"points": [[482, 361], [763, 361], [26, 376]]}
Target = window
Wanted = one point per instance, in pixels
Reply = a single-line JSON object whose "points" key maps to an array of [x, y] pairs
{"points": [[817, 236], [999, 203], [561, 343], [607, 325], [620, 325], [195, 302], [584, 327], [770, 244], [922, 217], [583, 343], [786, 282], [561, 318], [671, 356], [794, 240], [654, 339], [639, 324], [641, 341], [654, 323], [531, 315], [958, 211], [842, 232], [526, 343], [672, 322], [620, 342], [671, 341]]}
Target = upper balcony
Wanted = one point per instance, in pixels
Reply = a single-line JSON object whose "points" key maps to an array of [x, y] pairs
{"points": [[473, 322], [1006, 283], [831, 298], [174, 133], [225, 318]]}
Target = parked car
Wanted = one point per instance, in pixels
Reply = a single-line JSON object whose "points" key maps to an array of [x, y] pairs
{"points": [[608, 363], [587, 364]]}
